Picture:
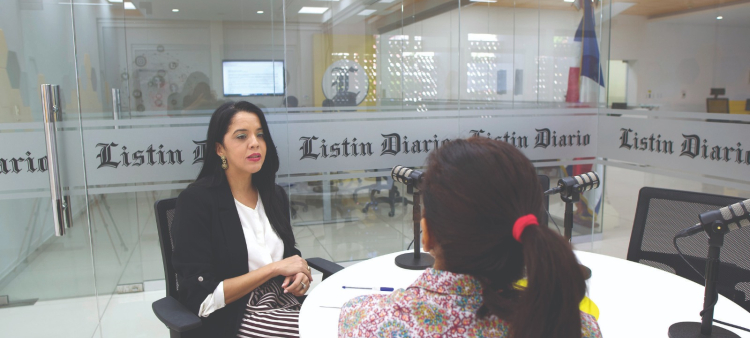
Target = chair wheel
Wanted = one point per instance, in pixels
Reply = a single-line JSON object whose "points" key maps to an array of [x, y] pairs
{"points": [[364, 210], [391, 214]]}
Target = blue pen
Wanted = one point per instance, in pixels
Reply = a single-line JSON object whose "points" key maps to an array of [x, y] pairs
{"points": [[361, 288]]}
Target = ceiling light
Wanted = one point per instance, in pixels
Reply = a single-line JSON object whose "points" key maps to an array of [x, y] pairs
{"points": [[129, 5], [483, 1], [387, 1], [260, 12], [175, 10], [313, 10], [367, 12], [719, 17], [115, 1], [569, 0]]}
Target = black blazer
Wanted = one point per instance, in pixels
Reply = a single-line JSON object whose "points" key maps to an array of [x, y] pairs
{"points": [[209, 247]]}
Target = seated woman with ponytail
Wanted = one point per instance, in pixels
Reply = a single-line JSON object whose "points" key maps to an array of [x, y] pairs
{"points": [[481, 203]]}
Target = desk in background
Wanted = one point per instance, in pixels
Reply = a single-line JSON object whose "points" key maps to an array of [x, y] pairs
{"points": [[634, 300]]}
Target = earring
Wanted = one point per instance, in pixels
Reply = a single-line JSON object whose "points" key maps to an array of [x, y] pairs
{"points": [[224, 163]]}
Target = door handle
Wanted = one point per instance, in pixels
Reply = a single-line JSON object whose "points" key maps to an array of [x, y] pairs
{"points": [[52, 114]]}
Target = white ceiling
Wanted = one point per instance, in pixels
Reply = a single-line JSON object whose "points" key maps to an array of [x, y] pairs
{"points": [[736, 15], [240, 10], [345, 11]]}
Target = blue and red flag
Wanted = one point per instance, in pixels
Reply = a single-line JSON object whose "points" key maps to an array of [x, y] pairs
{"points": [[583, 81]]}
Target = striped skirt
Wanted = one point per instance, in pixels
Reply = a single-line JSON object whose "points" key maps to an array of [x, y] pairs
{"points": [[270, 313]]}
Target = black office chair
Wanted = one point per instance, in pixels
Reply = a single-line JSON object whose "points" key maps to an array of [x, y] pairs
{"points": [[168, 309], [661, 213], [394, 196]]}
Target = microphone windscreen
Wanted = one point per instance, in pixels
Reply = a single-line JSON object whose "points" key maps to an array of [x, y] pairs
{"points": [[734, 211], [588, 181], [400, 173]]}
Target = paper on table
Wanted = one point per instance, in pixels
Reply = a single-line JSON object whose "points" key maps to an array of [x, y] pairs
{"points": [[338, 299]]}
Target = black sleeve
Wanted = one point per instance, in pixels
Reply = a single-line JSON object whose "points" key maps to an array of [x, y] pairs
{"points": [[192, 248]]}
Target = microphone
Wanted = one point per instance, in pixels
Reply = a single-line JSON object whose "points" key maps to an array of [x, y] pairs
{"points": [[735, 216], [417, 260], [406, 175], [580, 183]]}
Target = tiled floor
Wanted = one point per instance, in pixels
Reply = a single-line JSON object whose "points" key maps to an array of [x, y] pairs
{"points": [[368, 235]]}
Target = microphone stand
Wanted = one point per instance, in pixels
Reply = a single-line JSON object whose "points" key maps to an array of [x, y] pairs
{"points": [[569, 195], [706, 328], [417, 260]]}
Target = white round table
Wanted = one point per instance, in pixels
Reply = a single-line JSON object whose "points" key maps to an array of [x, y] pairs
{"points": [[634, 300]]}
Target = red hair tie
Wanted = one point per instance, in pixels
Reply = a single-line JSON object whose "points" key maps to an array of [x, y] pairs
{"points": [[521, 224]]}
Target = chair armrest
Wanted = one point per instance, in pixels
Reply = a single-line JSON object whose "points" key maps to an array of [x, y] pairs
{"points": [[325, 266], [175, 315]]}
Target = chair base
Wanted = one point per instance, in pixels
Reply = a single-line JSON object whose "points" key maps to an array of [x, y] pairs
{"points": [[693, 330], [407, 261]]}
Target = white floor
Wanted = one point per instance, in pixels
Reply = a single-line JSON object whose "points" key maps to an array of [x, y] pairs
{"points": [[370, 234]]}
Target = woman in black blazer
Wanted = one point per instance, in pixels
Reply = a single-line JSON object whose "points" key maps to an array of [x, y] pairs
{"points": [[229, 269]]}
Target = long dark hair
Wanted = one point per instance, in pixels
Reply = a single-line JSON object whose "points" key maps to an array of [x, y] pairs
{"points": [[474, 191], [264, 180]]}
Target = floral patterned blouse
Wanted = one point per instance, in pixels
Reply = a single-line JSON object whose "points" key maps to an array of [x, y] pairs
{"points": [[438, 304]]}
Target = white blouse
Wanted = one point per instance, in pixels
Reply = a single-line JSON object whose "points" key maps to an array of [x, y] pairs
{"points": [[264, 247]]}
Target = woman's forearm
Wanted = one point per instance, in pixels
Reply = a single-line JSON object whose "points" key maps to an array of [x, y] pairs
{"points": [[237, 287]]}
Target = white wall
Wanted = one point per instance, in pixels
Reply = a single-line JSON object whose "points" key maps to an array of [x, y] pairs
{"points": [[238, 40], [669, 58]]}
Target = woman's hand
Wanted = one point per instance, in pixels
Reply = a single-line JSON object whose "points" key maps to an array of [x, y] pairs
{"points": [[300, 283], [291, 266]]}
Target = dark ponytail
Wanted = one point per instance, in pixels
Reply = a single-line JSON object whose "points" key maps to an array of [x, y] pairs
{"points": [[555, 287], [474, 191]]}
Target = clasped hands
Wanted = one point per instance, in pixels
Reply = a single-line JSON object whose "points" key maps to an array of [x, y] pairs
{"points": [[297, 273]]}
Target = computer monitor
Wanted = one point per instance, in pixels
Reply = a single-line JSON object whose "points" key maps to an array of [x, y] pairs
{"points": [[718, 91], [720, 106], [253, 77], [747, 105]]}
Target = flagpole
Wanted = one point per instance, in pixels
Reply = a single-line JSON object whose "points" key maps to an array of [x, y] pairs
{"points": [[583, 43]]}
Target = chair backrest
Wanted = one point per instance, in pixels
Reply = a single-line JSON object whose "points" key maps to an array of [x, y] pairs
{"points": [[661, 213], [165, 210], [544, 182]]}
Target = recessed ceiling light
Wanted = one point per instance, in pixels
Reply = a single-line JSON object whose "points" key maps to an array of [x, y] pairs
{"points": [[719, 17], [367, 12], [115, 1], [483, 0], [260, 12], [569, 0], [387, 1], [175, 10], [129, 5], [313, 10]]}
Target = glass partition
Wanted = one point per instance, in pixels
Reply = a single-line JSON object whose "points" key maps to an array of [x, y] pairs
{"points": [[44, 274], [350, 89]]}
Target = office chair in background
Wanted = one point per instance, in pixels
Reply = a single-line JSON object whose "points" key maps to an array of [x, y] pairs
{"points": [[661, 213], [394, 196]]}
